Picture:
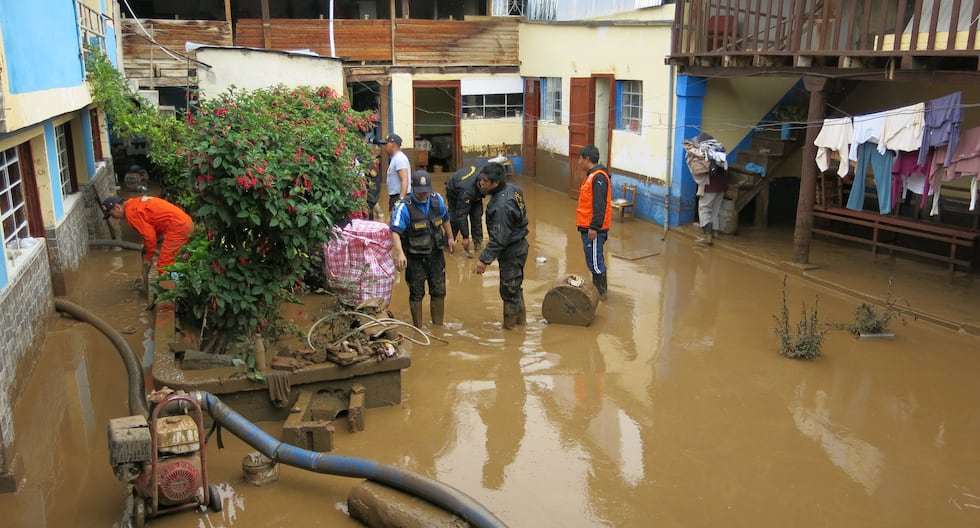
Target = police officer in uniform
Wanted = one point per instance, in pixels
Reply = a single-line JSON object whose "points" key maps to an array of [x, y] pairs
{"points": [[507, 232], [420, 231], [466, 206]]}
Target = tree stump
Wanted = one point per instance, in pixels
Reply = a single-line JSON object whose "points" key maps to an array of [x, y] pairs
{"points": [[571, 301]]}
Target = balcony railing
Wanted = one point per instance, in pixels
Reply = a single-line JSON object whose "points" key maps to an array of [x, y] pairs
{"points": [[829, 29]]}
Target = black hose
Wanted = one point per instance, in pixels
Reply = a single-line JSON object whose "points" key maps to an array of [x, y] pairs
{"points": [[134, 369], [114, 243], [442, 495]]}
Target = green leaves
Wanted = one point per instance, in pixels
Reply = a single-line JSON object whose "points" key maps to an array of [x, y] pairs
{"points": [[269, 172]]}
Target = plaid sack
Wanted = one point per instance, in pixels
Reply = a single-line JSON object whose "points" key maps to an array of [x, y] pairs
{"points": [[358, 262]]}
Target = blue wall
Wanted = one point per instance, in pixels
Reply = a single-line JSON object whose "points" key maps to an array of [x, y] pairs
{"points": [[690, 108], [40, 39]]}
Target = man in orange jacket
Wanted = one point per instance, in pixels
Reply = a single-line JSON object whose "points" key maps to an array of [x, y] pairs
{"points": [[594, 214], [153, 218]]}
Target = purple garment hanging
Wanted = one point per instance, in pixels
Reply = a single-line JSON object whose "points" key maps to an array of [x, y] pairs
{"points": [[942, 126]]}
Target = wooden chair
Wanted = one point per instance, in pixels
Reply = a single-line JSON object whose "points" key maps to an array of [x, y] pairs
{"points": [[626, 204]]}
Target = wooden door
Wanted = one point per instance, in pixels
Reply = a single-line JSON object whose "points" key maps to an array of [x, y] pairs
{"points": [[581, 128], [532, 113]]}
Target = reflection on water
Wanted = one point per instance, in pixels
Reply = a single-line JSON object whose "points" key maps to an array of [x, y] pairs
{"points": [[859, 459], [672, 408]]}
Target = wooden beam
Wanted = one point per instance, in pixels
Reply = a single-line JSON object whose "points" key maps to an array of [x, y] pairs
{"points": [[803, 235], [266, 25]]}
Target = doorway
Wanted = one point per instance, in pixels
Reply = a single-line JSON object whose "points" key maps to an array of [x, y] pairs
{"points": [[436, 126], [592, 113]]}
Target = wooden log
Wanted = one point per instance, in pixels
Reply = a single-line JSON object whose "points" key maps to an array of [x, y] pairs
{"points": [[571, 301]]}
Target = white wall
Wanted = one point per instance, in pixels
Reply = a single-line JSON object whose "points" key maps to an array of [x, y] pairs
{"points": [[251, 69]]}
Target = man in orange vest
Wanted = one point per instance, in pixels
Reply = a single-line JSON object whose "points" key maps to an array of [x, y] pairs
{"points": [[594, 214], [154, 219]]}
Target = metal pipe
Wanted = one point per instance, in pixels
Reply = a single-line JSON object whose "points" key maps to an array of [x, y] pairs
{"points": [[436, 492], [100, 242], [670, 148], [134, 369]]}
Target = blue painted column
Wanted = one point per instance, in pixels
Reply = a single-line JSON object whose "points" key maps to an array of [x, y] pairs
{"points": [[690, 103]]}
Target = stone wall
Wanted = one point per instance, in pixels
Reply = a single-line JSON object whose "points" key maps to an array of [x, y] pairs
{"points": [[25, 305]]}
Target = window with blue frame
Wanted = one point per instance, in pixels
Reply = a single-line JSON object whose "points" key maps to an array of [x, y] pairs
{"points": [[551, 99], [629, 106]]}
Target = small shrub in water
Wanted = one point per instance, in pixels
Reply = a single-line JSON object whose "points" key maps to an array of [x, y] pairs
{"points": [[805, 341]]}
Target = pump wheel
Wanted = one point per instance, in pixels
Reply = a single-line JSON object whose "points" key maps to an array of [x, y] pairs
{"points": [[139, 511], [214, 498]]}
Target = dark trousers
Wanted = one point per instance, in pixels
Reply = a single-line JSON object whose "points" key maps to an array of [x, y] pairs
{"points": [[469, 224], [511, 262], [422, 269]]}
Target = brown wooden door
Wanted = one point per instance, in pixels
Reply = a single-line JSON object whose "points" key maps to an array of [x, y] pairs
{"points": [[581, 128], [28, 182], [532, 114]]}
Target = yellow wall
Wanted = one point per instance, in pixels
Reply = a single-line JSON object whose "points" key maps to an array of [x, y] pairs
{"points": [[626, 52], [732, 107]]}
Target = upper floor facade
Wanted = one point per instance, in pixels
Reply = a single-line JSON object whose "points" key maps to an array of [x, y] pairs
{"points": [[854, 39]]}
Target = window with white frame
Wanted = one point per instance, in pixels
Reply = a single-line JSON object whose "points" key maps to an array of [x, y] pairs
{"points": [[62, 136], [551, 104], [629, 107], [493, 105], [13, 207]]}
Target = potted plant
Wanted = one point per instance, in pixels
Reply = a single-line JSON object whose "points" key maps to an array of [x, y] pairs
{"points": [[789, 115]]}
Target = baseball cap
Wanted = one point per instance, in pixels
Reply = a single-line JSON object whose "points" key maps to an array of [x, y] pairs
{"points": [[108, 204], [391, 138], [421, 182]]}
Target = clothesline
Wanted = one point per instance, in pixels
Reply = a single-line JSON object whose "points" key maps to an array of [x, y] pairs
{"points": [[930, 130]]}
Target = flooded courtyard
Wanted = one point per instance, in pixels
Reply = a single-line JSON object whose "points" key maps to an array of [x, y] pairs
{"points": [[673, 408]]}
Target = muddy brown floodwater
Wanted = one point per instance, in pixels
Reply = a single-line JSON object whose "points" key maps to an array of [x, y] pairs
{"points": [[672, 409]]}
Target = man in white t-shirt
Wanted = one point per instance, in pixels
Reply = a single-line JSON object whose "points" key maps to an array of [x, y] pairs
{"points": [[399, 170]]}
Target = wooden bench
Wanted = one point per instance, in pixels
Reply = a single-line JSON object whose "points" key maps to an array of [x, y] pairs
{"points": [[955, 238]]}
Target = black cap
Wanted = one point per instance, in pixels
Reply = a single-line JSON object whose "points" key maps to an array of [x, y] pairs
{"points": [[391, 138], [108, 204], [421, 182]]}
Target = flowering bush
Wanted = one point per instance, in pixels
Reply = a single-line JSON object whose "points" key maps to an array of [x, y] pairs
{"points": [[271, 172]]}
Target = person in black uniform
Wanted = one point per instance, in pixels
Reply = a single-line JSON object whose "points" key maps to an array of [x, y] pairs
{"points": [[465, 204], [507, 230], [420, 231]]}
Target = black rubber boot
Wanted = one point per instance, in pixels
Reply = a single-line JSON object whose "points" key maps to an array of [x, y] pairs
{"points": [[437, 305], [600, 285], [416, 309]]}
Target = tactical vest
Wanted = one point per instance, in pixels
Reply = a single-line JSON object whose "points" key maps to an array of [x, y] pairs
{"points": [[424, 233]]}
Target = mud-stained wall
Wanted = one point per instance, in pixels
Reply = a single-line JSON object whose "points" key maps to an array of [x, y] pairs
{"points": [[551, 170], [24, 307], [68, 241]]}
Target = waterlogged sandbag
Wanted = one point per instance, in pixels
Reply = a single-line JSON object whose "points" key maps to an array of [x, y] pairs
{"points": [[358, 262]]}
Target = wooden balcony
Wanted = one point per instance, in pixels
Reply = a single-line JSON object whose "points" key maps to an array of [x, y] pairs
{"points": [[488, 43], [831, 37]]}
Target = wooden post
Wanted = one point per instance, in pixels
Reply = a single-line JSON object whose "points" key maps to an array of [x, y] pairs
{"points": [[391, 20], [266, 25], [803, 234]]}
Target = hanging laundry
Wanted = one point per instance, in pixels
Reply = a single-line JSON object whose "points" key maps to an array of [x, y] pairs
{"points": [[942, 126], [881, 166], [903, 128], [836, 135], [867, 128]]}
